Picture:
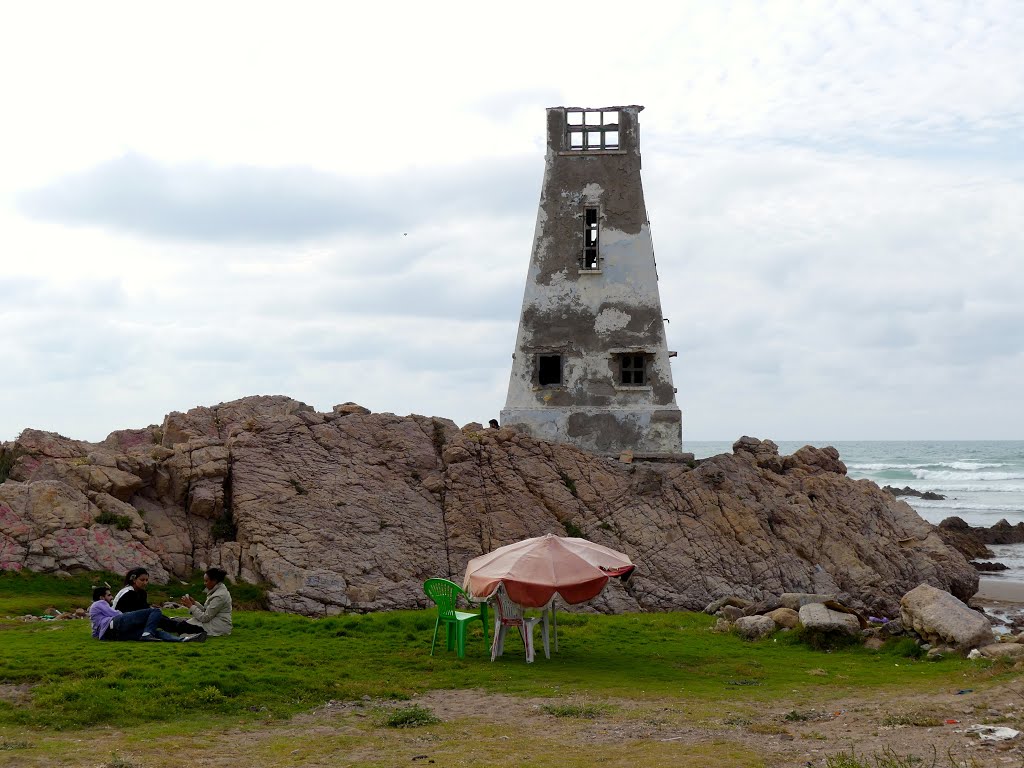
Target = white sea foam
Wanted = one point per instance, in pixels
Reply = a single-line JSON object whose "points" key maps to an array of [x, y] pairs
{"points": [[956, 504], [932, 466], [969, 488], [878, 467], [971, 465], [930, 474]]}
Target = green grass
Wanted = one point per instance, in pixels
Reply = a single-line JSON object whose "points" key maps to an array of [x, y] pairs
{"points": [[276, 665], [585, 711], [410, 717]]}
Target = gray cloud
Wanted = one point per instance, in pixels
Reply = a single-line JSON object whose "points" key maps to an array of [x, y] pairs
{"points": [[134, 194]]}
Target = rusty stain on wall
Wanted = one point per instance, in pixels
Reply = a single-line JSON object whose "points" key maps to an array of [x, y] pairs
{"points": [[594, 318]]}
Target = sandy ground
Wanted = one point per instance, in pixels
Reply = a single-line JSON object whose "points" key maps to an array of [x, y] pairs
{"points": [[1004, 590]]}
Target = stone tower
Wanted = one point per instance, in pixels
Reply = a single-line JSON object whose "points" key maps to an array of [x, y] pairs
{"points": [[591, 366]]}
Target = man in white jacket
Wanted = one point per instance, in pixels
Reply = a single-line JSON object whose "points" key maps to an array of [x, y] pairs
{"points": [[214, 616]]}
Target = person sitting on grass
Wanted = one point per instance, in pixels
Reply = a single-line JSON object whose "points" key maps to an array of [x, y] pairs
{"points": [[133, 597], [108, 623], [214, 616]]}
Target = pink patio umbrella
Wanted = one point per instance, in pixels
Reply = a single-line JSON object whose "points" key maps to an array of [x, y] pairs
{"points": [[535, 570]]}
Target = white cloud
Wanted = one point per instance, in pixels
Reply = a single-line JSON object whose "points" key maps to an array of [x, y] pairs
{"points": [[337, 203]]}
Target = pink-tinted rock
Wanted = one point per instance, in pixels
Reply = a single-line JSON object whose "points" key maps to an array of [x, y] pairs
{"points": [[353, 511]]}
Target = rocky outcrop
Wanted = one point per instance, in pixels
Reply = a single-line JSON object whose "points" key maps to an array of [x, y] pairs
{"points": [[908, 491], [350, 510], [973, 541], [957, 533]]}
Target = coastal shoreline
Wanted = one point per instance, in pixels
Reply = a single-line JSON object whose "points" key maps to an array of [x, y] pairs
{"points": [[1000, 590]]}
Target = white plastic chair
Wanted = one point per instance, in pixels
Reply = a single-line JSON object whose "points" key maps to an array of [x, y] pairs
{"points": [[509, 614]]}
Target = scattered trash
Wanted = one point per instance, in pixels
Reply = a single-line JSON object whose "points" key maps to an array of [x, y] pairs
{"points": [[878, 619], [974, 654], [962, 691], [951, 721], [993, 732]]}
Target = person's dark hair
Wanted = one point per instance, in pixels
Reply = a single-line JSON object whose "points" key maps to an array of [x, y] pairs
{"points": [[133, 574], [493, 424], [216, 574], [99, 592]]}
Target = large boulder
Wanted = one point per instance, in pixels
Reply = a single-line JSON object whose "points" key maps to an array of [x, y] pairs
{"points": [[940, 618], [797, 600], [820, 619], [784, 617], [1002, 651], [757, 627], [352, 511]]}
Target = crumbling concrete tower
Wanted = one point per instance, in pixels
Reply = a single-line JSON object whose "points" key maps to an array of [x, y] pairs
{"points": [[591, 365]]}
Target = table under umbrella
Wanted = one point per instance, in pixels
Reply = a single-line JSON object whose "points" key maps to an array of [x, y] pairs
{"points": [[534, 570]]}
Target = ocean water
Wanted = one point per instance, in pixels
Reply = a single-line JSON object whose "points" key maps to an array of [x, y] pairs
{"points": [[982, 480]]}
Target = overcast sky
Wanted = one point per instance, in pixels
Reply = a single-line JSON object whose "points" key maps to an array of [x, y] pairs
{"points": [[203, 201]]}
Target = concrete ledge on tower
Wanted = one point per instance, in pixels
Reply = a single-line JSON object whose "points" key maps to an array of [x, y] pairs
{"points": [[644, 430]]}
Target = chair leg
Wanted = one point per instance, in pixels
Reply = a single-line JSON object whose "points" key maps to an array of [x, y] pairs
{"points": [[460, 639], [498, 645], [434, 640], [450, 633], [526, 631], [494, 640]]}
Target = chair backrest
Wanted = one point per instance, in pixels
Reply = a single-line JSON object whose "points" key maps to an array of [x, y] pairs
{"points": [[445, 593], [508, 612]]}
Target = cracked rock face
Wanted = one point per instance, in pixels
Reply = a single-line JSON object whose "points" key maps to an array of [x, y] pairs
{"points": [[350, 510]]}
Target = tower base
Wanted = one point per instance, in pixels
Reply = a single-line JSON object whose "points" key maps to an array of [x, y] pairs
{"points": [[607, 431]]}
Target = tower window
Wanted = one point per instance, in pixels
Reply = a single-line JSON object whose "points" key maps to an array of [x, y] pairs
{"points": [[593, 129], [589, 258], [549, 370], [633, 369]]}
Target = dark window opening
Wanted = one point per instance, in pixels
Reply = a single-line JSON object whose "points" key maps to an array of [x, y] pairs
{"points": [[549, 370], [593, 129], [633, 369], [589, 259]]}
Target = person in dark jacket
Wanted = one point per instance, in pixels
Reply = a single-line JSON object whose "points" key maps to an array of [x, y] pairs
{"points": [[133, 597]]}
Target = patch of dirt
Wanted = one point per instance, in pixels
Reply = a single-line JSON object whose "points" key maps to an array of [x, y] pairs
{"points": [[784, 733], [18, 695]]}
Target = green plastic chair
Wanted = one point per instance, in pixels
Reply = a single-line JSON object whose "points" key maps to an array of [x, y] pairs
{"points": [[446, 594]]}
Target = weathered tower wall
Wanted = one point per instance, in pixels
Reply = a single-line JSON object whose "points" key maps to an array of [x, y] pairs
{"points": [[591, 365]]}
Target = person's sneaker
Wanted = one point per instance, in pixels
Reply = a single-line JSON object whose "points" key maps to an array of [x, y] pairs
{"points": [[199, 637], [147, 637]]}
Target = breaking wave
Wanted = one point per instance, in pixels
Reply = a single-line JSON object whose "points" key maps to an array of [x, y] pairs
{"points": [[962, 466], [928, 474]]}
